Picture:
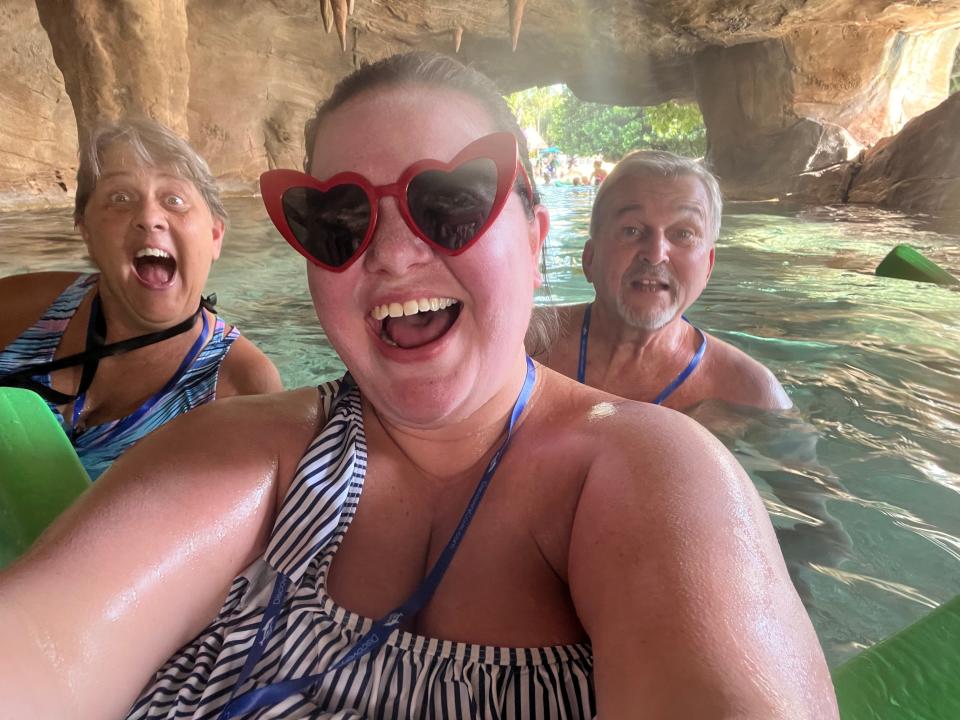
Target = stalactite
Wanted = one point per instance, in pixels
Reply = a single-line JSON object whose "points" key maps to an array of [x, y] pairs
{"points": [[350, 5], [340, 20], [457, 38], [326, 12], [516, 17]]}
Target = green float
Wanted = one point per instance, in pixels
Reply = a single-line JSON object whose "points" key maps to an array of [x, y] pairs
{"points": [[907, 263], [40, 473], [912, 675]]}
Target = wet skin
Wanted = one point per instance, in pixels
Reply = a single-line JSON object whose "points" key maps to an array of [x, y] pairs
{"points": [[607, 519]]}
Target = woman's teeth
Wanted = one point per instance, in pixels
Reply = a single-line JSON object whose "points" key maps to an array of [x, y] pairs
{"points": [[411, 307], [152, 252]]}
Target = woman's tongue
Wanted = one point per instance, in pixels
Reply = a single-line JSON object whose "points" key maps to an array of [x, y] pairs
{"points": [[154, 271], [412, 331]]}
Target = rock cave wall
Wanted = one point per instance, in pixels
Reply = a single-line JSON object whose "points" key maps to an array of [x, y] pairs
{"points": [[802, 99]]}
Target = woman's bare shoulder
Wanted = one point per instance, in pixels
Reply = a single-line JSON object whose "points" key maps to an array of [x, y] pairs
{"points": [[654, 442], [25, 297]]}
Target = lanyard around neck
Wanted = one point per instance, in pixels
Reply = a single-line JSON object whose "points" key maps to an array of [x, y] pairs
{"points": [[377, 635], [129, 420], [668, 390], [94, 351]]}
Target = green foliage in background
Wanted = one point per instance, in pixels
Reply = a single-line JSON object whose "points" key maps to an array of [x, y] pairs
{"points": [[586, 128], [535, 107]]}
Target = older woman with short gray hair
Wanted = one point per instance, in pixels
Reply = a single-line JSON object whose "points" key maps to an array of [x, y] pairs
{"points": [[119, 352]]}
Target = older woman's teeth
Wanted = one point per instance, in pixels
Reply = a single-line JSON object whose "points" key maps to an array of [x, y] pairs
{"points": [[411, 307], [152, 252]]}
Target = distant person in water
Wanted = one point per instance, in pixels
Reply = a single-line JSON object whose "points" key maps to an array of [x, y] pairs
{"points": [[651, 250], [120, 352], [599, 174]]}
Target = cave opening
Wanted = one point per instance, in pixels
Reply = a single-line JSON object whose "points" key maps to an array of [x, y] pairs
{"points": [[554, 117]]}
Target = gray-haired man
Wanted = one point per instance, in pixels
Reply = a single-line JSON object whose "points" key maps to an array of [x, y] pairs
{"points": [[651, 250]]}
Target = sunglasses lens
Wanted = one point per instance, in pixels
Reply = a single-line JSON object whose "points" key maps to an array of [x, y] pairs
{"points": [[450, 208], [329, 225]]}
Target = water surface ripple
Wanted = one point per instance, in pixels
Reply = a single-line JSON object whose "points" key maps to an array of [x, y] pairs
{"points": [[862, 480]]}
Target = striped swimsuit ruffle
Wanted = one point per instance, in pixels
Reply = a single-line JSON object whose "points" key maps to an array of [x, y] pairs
{"points": [[411, 676], [99, 445]]}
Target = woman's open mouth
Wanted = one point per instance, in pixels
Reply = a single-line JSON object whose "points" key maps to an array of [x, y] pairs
{"points": [[154, 267], [415, 323]]}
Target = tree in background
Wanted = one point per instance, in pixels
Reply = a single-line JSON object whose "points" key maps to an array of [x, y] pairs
{"points": [[586, 128], [535, 107]]}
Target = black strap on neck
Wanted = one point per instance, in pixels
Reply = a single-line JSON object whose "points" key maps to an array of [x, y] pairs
{"points": [[95, 350]]}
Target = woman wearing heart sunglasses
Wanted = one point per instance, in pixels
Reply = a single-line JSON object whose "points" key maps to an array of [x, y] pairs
{"points": [[449, 531]]}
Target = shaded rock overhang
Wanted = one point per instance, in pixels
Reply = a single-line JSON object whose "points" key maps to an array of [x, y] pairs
{"points": [[795, 86]]}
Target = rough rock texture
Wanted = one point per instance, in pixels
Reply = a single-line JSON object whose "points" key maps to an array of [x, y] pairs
{"points": [[38, 132], [121, 56], [757, 142], [787, 88], [919, 168]]}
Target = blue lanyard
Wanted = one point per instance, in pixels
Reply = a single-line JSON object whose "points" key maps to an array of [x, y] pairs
{"points": [[145, 408], [668, 390], [374, 638]]}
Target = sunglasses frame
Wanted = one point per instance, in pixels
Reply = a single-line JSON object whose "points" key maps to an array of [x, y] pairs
{"points": [[500, 147]]}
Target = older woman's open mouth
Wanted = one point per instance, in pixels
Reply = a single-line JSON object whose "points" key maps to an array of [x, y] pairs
{"points": [[415, 323], [154, 267]]}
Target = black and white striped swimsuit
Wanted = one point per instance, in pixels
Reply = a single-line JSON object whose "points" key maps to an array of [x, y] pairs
{"points": [[410, 676]]}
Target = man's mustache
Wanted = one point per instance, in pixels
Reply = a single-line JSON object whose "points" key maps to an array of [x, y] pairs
{"points": [[648, 271]]}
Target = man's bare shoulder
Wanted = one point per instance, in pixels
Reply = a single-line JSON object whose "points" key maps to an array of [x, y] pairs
{"points": [[742, 380]]}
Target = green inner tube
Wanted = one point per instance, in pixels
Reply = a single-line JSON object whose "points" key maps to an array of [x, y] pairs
{"points": [[912, 675], [40, 473], [907, 263]]}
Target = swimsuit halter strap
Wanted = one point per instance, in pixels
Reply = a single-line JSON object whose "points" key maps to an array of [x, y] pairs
{"points": [[377, 635], [674, 384], [94, 351]]}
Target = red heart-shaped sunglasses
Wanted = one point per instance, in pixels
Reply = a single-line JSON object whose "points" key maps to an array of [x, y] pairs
{"points": [[449, 205]]}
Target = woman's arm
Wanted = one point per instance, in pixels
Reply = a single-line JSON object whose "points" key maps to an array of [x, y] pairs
{"points": [[247, 371], [143, 560], [677, 577]]}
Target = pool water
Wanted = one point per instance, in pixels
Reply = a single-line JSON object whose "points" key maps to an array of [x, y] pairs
{"points": [[862, 480]]}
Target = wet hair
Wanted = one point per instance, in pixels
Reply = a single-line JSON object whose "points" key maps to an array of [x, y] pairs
{"points": [[543, 330], [663, 164], [426, 68], [154, 145]]}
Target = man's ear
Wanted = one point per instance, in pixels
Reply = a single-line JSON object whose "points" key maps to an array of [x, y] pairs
{"points": [[219, 229], [711, 261], [539, 227], [587, 260]]}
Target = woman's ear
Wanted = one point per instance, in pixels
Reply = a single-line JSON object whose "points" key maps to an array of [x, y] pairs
{"points": [[219, 228], [539, 227], [84, 235]]}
